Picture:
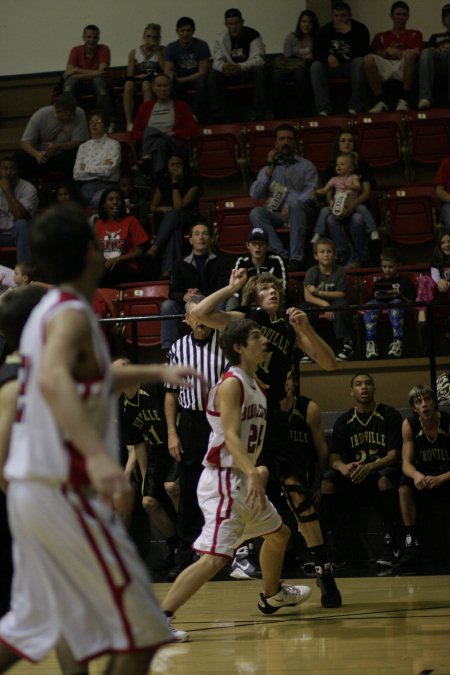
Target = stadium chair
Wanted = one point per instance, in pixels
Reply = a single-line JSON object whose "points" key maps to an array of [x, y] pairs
{"points": [[429, 135], [143, 300], [217, 153], [382, 140], [258, 140], [410, 214], [317, 136], [128, 150], [107, 298], [231, 219]]}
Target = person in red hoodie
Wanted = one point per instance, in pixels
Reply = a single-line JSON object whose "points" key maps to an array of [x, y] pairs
{"points": [[162, 126]]}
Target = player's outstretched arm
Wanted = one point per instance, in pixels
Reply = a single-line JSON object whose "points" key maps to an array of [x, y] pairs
{"points": [[308, 340], [206, 311], [8, 404], [138, 374], [228, 403]]}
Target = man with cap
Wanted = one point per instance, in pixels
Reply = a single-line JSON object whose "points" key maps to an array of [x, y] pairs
{"points": [[435, 60], [257, 261], [286, 183], [238, 58]]}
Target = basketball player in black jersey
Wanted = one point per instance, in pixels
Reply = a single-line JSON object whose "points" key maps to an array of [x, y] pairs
{"points": [[425, 463], [364, 460], [262, 300]]}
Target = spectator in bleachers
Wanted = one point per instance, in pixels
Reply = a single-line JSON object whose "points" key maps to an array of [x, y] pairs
{"points": [[175, 204], [51, 139], [425, 463], [325, 287], [238, 58], [442, 185], [395, 57], [162, 126], [434, 64], [86, 70], [351, 230], [364, 453], [338, 50], [136, 203], [259, 260], [293, 67], [287, 183], [144, 63], [186, 61], [122, 237], [97, 165], [201, 272], [438, 281], [18, 204], [389, 290], [64, 192]]}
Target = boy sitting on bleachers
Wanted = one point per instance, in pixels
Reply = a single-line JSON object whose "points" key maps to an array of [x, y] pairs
{"points": [[389, 290]]}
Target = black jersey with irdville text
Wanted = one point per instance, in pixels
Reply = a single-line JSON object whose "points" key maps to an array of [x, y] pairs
{"points": [[142, 417], [431, 456]]}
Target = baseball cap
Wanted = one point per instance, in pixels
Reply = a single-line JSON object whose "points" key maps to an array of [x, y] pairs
{"points": [[231, 13], [445, 10], [258, 233]]}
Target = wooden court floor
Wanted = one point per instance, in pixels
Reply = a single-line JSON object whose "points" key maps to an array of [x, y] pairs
{"points": [[398, 625]]}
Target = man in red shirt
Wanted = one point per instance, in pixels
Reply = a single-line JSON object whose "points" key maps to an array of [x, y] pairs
{"points": [[395, 55], [86, 69]]}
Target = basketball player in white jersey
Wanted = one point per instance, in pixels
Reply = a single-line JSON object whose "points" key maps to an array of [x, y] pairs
{"points": [[77, 576], [231, 490]]}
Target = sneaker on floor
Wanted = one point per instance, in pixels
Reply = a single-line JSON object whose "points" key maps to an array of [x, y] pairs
{"points": [[402, 105], [331, 596], [315, 237], [411, 551], [375, 236], [306, 359], [352, 111], [389, 555], [323, 113], [395, 349], [346, 353], [424, 104], [242, 566], [371, 350], [130, 127], [178, 635], [287, 596], [379, 107]]}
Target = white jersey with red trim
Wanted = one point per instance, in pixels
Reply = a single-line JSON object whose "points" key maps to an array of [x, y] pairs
{"points": [[253, 421], [39, 450]]}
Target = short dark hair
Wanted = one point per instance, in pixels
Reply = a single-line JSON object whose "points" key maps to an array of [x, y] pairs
{"points": [[97, 112], [59, 241], [91, 26], [201, 221], [323, 240], [101, 207], [343, 6], [284, 127], [399, 5], [389, 254], [359, 373], [162, 75], [11, 159], [236, 332], [185, 21], [15, 308], [66, 102]]}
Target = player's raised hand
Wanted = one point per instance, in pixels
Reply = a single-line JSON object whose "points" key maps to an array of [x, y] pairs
{"points": [[297, 318], [238, 279]]}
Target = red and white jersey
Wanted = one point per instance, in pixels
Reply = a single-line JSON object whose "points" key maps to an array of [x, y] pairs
{"points": [[253, 421], [39, 450]]}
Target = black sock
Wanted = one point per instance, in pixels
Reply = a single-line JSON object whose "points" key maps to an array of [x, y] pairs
{"points": [[388, 508]]}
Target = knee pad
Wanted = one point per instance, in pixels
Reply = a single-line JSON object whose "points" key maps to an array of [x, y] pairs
{"points": [[306, 504]]}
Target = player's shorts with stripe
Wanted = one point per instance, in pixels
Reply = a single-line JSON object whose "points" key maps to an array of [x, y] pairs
{"points": [[77, 575], [228, 519]]}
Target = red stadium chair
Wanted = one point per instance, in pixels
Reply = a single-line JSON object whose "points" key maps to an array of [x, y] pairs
{"points": [[429, 135], [217, 152], [410, 214], [382, 139], [317, 136], [143, 300], [231, 219]]}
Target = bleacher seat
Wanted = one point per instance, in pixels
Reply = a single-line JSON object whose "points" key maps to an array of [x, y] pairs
{"points": [[382, 139], [129, 158], [410, 214], [231, 219], [217, 152], [143, 300], [317, 135], [429, 135]]}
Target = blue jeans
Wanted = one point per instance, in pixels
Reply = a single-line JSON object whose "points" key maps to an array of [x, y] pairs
{"points": [[321, 74], [160, 146], [429, 59], [18, 237], [300, 216], [321, 224], [349, 238], [98, 85]]}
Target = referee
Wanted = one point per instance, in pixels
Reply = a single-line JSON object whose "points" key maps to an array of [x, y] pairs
{"points": [[188, 439]]}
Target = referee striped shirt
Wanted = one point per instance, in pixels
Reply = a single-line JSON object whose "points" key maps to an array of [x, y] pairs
{"points": [[207, 357]]}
